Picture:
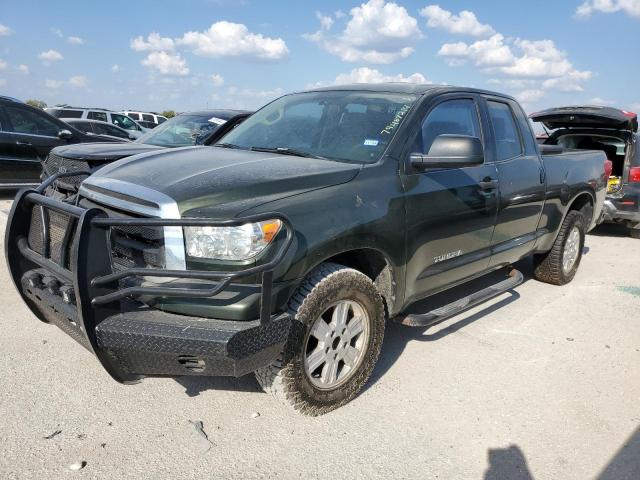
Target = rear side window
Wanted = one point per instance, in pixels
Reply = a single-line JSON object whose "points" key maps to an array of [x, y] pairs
{"points": [[135, 116], [84, 127], [508, 142], [452, 117], [31, 123], [161, 120], [63, 113], [147, 118], [102, 116]]}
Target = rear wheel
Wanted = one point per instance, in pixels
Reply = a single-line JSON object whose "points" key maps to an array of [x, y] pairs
{"points": [[560, 264], [334, 343]]}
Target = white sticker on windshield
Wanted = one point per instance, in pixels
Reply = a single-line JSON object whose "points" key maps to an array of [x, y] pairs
{"points": [[369, 142], [217, 121]]}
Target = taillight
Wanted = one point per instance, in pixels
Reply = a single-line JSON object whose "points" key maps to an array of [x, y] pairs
{"points": [[634, 175], [608, 168]]}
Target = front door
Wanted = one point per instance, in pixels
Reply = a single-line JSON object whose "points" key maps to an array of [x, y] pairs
{"points": [[450, 213]]}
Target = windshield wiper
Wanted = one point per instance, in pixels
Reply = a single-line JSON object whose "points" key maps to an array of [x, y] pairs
{"points": [[286, 151], [228, 145]]}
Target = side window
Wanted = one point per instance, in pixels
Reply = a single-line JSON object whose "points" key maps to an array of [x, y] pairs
{"points": [[135, 116], [115, 131], [26, 121], [453, 117], [508, 142], [63, 113], [102, 116], [147, 118], [123, 122], [161, 120]]}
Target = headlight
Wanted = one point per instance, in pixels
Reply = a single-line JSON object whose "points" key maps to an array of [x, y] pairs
{"points": [[230, 243]]}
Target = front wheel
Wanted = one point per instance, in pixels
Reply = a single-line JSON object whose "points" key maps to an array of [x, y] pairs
{"points": [[560, 264], [334, 342]]}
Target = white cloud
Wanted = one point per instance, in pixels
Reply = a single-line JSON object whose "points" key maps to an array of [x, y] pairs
{"points": [[24, 69], [5, 31], [492, 52], [166, 63], [154, 42], [371, 75], [217, 80], [50, 56], [3, 64], [115, 68], [530, 96], [465, 23], [630, 7], [531, 66], [227, 39], [377, 32], [600, 102], [79, 81], [53, 83], [75, 40]]}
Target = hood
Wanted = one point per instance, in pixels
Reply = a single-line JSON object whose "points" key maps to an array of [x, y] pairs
{"points": [[201, 178], [587, 117], [102, 151]]}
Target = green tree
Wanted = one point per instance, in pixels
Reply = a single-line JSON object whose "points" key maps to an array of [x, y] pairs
{"points": [[168, 113], [36, 103]]}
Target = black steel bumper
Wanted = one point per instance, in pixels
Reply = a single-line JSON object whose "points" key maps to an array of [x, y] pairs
{"points": [[81, 293]]}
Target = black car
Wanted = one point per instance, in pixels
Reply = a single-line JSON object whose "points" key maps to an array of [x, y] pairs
{"points": [[613, 131], [187, 129], [96, 127], [27, 134]]}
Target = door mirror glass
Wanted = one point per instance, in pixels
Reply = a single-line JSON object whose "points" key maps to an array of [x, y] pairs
{"points": [[65, 134], [450, 151]]}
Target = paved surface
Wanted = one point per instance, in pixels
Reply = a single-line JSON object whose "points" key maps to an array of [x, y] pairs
{"points": [[543, 383]]}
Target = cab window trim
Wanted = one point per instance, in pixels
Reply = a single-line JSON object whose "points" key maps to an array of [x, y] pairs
{"points": [[516, 123]]}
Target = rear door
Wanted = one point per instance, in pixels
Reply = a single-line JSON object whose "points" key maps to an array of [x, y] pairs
{"points": [[7, 153], [522, 181], [35, 134], [450, 213]]}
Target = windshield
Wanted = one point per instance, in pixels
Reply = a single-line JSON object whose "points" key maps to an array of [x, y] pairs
{"points": [[182, 131], [355, 126]]}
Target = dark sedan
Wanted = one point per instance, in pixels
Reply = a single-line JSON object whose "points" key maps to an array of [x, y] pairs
{"points": [[27, 134], [187, 129]]}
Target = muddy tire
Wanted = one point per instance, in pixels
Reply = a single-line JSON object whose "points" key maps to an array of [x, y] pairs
{"points": [[560, 264], [334, 342]]}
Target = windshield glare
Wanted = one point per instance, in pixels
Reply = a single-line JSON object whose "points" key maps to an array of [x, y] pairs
{"points": [[354, 126], [181, 131]]}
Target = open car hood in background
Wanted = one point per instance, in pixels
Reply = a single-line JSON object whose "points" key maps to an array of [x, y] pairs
{"points": [[587, 117]]}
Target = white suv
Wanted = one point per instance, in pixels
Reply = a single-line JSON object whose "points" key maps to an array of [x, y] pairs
{"points": [[101, 114], [146, 119]]}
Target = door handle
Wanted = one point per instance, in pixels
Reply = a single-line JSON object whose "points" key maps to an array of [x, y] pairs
{"points": [[23, 144], [488, 184]]}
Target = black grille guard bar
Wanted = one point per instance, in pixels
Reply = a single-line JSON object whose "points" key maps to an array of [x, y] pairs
{"points": [[89, 220]]}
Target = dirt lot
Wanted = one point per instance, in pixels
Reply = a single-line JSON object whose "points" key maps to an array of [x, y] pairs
{"points": [[542, 383]]}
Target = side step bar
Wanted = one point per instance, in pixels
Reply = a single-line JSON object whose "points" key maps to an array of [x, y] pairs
{"points": [[438, 315]]}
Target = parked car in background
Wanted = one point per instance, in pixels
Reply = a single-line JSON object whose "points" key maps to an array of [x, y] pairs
{"points": [[149, 125], [96, 127], [613, 131], [284, 247], [147, 117], [100, 114], [195, 128], [27, 134]]}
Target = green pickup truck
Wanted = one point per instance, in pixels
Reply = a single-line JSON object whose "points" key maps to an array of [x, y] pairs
{"points": [[285, 247]]}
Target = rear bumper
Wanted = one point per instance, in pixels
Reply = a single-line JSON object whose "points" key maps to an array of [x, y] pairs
{"points": [[131, 340], [626, 208]]}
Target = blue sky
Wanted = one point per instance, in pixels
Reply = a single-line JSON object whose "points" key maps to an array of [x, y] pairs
{"points": [[241, 53]]}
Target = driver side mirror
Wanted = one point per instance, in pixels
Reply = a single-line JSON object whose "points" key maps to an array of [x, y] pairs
{"points": [[450, 151], [65, 134]]}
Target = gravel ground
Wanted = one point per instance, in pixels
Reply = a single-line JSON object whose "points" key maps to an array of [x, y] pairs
{"points": [[542, 383]]}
